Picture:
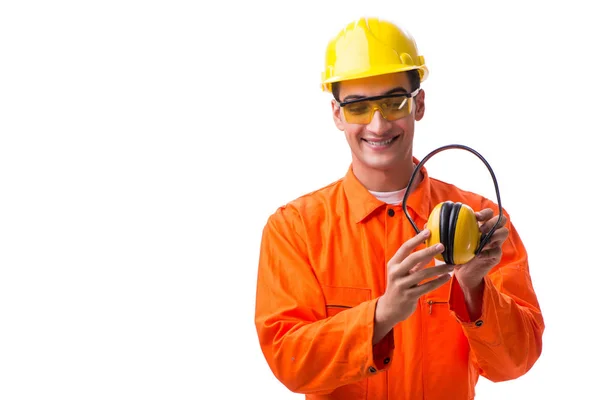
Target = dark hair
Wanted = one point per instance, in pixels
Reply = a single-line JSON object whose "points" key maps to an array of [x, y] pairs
{"points": [[414, 80]]}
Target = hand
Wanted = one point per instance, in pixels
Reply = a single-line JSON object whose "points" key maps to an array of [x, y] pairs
{"points": [[470, 275], [405, 273]]}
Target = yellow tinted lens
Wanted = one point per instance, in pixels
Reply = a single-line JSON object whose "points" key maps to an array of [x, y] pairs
{"points": [[395, 108], [358, 108], [359, 113], [391, 109]]}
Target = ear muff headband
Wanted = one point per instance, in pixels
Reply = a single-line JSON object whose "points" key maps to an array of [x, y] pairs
{"points": [[444, 221]]}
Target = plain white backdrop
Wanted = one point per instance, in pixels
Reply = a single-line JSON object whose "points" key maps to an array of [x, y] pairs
{"points": [[144, 144]]}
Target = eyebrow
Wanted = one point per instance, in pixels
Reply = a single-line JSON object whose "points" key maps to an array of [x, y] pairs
{"points": [[399, 89]]}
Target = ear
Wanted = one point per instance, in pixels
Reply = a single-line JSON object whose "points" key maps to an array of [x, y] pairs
{"points": [[419, 105], [337, 115]]}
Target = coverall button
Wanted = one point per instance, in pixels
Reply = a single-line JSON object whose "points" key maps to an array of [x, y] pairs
{"points": [[386, 360], [372, 369], [391, 212], [479, 323]]}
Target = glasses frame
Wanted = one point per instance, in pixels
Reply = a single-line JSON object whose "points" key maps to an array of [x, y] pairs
{"points": [[380, 97], [407, 96]]}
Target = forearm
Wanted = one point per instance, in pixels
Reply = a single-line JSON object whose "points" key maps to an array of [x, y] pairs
{"points": [[504, 329], [319, 356], [310, 347], [506, 338]]}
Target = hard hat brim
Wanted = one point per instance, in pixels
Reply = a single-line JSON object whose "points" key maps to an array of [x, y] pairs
{"points": [[381, 70]]}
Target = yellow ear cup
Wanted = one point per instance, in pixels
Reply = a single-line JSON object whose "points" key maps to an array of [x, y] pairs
{"points": [[433, 224], [462, 236], [466, 236]]}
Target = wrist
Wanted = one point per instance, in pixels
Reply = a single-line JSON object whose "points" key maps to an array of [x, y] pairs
{"points": [[474, 300], [383, 323]]}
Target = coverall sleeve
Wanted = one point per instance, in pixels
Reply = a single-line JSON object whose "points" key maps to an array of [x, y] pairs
{"points": [[308, 351], [506, 340]]}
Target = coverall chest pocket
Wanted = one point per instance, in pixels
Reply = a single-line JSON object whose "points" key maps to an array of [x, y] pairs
{"points": [[338, 298]]}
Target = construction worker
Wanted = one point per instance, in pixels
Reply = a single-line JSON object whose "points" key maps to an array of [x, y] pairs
{"points": [[351, 302]]}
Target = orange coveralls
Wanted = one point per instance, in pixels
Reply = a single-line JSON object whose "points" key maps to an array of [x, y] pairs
{"points": [[322, 268]]}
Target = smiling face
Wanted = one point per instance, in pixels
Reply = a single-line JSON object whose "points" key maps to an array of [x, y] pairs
{"points": [[379, 145]]}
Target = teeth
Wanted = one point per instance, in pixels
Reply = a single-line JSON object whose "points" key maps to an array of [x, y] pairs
{"points": [[380, 143]]}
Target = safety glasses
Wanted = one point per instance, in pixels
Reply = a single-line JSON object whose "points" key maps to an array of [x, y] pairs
{"points": [[391, 106]]}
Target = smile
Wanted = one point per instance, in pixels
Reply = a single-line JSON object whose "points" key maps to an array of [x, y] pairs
{"points": [[381, 143]]}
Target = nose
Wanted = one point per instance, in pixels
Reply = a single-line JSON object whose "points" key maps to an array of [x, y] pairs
{"points": [[378, 124]]}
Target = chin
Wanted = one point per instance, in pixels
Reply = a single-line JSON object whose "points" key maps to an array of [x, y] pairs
{"points": [[381, 163]]}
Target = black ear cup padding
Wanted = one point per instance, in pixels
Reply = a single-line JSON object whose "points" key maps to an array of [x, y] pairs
{"points": [[444, 228], [452, 220]]}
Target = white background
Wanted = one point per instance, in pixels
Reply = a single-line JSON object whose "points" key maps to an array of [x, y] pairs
{"points": [[144, 144]]}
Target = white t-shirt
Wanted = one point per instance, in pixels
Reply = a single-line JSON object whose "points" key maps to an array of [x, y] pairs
{"points": [[397, 196], [394, 197]]}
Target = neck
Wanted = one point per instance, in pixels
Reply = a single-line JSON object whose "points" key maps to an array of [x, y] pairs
{"points": [[388, 180]]}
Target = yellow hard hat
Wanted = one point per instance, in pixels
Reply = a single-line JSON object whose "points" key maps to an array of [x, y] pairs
{"points": [[368, 47]]}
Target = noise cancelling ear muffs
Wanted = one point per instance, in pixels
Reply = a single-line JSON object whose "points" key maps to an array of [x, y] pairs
{"points": [[455, 224]]}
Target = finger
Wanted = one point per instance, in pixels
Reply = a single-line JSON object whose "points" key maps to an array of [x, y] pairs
{"points": [[423, 256], [430, 286], [488, 225], [418, 266], [489, 254], [408, 246], [497, 239], [484, 214], [427, 273]]}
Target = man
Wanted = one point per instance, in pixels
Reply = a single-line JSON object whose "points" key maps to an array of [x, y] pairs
{"points": [[350, 303]]}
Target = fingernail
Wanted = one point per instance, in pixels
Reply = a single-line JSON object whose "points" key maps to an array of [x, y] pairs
{"points": [[439, 247], [425, 232]]}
